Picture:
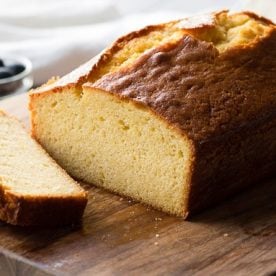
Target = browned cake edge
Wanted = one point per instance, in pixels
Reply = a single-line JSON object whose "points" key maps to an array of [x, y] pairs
{"points": [[82, 73], [40, 211]]}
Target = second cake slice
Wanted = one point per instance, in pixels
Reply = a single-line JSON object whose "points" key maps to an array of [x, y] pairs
{"points": [[34, 190]]}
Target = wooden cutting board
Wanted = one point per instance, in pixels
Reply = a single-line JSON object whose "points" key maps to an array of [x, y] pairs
{"points": [[120, 237]]}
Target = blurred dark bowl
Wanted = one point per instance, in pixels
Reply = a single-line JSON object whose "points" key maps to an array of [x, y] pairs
{"points": [[20, 82]]}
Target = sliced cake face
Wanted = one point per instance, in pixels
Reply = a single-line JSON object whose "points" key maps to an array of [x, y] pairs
{"points": [[133, 119], [117, 145], [26, 170], [34, 190]]}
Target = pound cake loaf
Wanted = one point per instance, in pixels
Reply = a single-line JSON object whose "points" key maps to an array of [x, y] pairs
{"points": [[34, 190], [178, 116]]}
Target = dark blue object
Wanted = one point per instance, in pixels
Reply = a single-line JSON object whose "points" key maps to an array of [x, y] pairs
{"points": [[1, 63], [16, 68], [5, 73]]}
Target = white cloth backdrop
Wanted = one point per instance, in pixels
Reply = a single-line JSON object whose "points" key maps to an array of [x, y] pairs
{"points": [[58, 35]]}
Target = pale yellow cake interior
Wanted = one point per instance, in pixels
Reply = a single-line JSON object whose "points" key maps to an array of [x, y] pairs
{"points": [[26, 169], [122, 147], [116, 145]]}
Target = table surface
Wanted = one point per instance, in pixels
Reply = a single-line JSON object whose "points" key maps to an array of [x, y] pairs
{"points": [[121, 237]]}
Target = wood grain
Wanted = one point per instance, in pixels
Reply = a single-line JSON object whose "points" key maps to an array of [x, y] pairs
{"points": [[119, 237]]}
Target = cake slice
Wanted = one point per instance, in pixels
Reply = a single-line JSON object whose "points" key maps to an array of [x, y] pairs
{"points": [[34, 190], [178, 116]]}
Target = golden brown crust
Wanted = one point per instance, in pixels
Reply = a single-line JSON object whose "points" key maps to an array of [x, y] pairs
{"points": [[40, 211], [86, 71], [225, 166], [202, 92], [257, 17], [83, 73]]}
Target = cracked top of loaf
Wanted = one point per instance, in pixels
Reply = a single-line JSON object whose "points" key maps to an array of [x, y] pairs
{"points": [[205, 75]]}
